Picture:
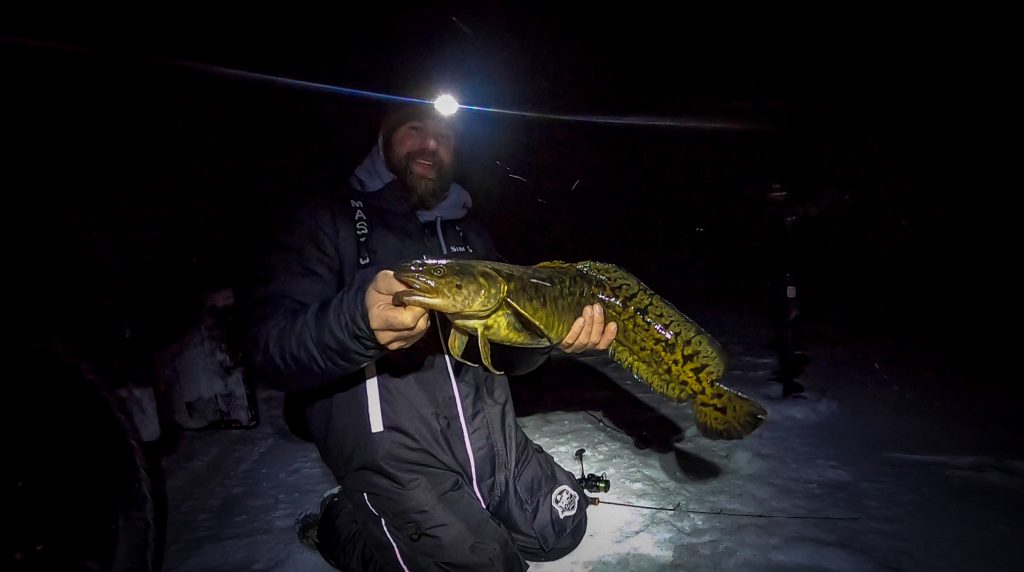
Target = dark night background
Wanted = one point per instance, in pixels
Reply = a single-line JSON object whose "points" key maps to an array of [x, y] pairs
{"points": [[136, 177], [132, 183]]}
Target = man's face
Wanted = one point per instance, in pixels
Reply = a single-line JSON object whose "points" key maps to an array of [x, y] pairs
{"points": [[421, 153]]}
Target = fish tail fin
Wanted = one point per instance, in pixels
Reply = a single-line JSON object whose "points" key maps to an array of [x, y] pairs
{"points": [[722, 413]]}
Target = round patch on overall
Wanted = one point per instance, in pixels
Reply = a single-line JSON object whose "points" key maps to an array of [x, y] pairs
{"points": [[565, 500]]}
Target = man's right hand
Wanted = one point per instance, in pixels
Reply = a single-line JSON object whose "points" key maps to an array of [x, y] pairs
{"points": [[395, 327]]}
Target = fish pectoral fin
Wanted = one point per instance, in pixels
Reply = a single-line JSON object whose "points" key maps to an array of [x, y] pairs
{"points": [[527, 320], [457, 340], [722, 413], [485, 353]]}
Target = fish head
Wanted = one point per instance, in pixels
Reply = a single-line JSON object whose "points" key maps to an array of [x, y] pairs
{"points": [[462, 287]]}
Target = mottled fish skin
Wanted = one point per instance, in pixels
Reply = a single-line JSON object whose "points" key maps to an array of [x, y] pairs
{"points": [[537, 306]]}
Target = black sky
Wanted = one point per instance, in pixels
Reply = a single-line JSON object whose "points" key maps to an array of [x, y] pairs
{"points": [[168, 178]]}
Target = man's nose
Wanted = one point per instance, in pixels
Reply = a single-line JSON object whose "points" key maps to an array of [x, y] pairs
{"points": [[429, 141]]}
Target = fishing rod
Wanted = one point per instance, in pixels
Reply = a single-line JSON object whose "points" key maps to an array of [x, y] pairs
{"points": [[594, 501], [601, 484]]}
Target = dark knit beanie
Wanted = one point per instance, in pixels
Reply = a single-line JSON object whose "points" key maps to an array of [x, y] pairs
{"points": [[402, 114]]}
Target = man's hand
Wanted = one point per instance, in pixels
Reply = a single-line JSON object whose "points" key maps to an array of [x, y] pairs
{"points": [[589, 332], [395, 327]]}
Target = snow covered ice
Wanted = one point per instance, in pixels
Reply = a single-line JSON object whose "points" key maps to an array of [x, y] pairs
{"points": [[873, 470]]}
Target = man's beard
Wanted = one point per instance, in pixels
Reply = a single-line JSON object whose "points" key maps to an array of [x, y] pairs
{"points": [[424, 193]]}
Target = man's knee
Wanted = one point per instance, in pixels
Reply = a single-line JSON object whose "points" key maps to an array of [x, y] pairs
{"points": [[562, 547], [547, 509]]}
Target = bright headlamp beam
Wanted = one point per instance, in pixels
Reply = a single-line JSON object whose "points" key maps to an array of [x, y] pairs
{"points": [[446, 105]]}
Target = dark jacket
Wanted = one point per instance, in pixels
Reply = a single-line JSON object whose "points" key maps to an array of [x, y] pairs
{"points": [[421, 443], [310, 335]]}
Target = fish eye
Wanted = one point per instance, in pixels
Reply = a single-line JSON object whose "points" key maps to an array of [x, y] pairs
{"points": [[437, 271]]}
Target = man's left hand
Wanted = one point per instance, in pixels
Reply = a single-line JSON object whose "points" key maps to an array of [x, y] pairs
{"points": [[589, 332]]}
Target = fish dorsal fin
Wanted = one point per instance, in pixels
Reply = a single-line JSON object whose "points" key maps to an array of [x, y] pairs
{"points": [[552, 264]]}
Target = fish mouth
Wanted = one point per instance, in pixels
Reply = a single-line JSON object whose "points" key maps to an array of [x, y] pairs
{"points": [[419, 290], [414, 282]]}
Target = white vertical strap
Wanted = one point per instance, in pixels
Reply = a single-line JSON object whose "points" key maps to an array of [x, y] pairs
{"points": [[373, 398], [440, 237], [386, 533], [462, 417]]}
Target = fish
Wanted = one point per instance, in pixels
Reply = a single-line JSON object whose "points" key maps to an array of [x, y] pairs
{"points": [[536, 306]]}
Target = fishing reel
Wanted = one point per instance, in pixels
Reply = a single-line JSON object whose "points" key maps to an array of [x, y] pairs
{"points": [[592, 483]]}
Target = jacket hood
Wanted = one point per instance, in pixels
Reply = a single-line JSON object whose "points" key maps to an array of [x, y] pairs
{"points": [[373, 174]]}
